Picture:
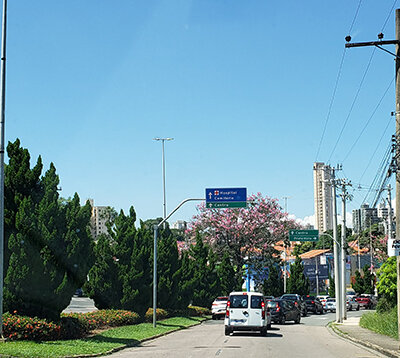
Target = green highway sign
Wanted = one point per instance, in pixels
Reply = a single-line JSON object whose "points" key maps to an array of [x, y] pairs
{"points": [[303, 235], [221, 205]]}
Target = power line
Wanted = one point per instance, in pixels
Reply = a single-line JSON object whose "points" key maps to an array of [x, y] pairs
{"points": [[336, 85], [373, 154], [368, 121], [353, 103], [387, 18]]}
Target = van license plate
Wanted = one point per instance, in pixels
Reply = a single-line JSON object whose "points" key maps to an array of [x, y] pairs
{"points": [[238, 321]]}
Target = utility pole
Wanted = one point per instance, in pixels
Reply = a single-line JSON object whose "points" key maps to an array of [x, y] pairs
{"points": [[336, 251], [397, 56], [284, 251], [345, 196], [390, 224]]}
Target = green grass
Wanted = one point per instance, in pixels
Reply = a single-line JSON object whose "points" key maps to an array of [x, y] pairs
{"points": [[125, 336], [383, 323]]}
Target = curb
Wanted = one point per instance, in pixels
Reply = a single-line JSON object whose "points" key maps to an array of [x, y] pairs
{"points": [[336, 330], [117, 349]]}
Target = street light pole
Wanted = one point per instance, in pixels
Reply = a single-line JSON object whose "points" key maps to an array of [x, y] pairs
{"points": [[163, 174], [2, 129]]}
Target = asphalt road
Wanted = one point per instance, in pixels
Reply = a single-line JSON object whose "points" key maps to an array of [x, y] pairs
{"points": [[310, 339], [80, 304]]}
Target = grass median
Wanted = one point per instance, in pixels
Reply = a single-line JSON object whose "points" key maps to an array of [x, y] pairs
{"points": [[101, 343], [383, 323]]}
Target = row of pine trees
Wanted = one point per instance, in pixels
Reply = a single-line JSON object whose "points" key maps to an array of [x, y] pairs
{"points": [[49, 253]]}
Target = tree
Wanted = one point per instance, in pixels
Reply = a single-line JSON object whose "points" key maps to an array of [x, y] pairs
{"points": [[168, 272], [368, 280], [205, 279], [273, 286], [358, 284], [244, 233], [226, 276], [123, 260], [331, 291], [297, 282], [365, 283], [387, 281], [50, 248]]}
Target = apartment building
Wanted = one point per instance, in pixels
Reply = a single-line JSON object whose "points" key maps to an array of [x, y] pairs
{"points": [[98, 220], [322, 197]]}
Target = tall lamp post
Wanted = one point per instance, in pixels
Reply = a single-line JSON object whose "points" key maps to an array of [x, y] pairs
{"points": [[2, 124], [163, 173]]}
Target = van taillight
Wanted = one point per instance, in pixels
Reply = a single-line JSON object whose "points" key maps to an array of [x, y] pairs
{"points": [[228, 305], [263, 310], [278, 308]]}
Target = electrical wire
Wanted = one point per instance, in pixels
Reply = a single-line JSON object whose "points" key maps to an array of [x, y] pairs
{"points": [[373, 154], [336, 84], [353, 103], [369, 120], [387, 18]]}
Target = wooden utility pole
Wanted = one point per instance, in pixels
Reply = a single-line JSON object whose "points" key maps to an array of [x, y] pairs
{"points": [[379, 44]]}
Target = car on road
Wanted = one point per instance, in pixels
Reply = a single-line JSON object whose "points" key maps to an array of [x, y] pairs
{"points": [[247, 311], [283, 310], [313, 304], [298, 301], [352, 304], [218, 307], [331, 304], [364, 301], [322, 299]]}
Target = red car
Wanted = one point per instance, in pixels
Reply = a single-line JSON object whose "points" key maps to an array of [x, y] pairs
{"points": [[364, 301]]}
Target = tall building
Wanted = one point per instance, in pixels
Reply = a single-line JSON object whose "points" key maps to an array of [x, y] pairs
{"points": [[366, 216], [322, 197], [179, 225], [100, 216]]}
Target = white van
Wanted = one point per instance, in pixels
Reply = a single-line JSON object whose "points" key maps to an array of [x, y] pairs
{"points": [[247, 311]]}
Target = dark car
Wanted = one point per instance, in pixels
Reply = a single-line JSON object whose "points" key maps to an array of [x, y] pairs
{"points": [[298, 301], [283, 310], [314, 304]]}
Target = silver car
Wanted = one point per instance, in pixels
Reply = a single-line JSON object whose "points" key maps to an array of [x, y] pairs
{"points": [[352, 304], [331, 304]]}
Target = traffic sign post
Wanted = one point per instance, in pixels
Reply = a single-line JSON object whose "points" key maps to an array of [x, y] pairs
{"points": [[303, 235], [220, 198]]}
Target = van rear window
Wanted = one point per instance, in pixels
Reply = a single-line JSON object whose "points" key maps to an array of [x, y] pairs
{"points": [[256, 301], [239, 301]]}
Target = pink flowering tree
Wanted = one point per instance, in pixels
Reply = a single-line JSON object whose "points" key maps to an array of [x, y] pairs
{"points": [[246, 233]]}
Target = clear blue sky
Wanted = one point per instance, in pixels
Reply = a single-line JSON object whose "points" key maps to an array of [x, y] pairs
{"points": [[244, 87]]}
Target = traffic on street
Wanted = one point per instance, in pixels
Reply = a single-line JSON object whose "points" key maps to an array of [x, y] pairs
{"points": [[311, 338]]}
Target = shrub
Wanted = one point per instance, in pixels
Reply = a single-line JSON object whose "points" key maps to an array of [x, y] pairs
{"points": [[198, 311], [160, 314], [104, 318], [27, 328], [384, 305], [70, 326]]}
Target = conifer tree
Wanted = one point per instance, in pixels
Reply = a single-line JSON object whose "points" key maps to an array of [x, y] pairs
{"points": [[297, 282], [226, 275], [50, 246], [168, 272], [331, 291], [273, 285], [205, 283]]}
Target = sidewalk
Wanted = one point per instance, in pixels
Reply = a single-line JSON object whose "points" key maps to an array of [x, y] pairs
{"points": [[350, 329]]}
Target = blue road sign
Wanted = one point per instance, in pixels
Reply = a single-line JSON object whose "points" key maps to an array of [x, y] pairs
{"points": [[226, 195]]}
